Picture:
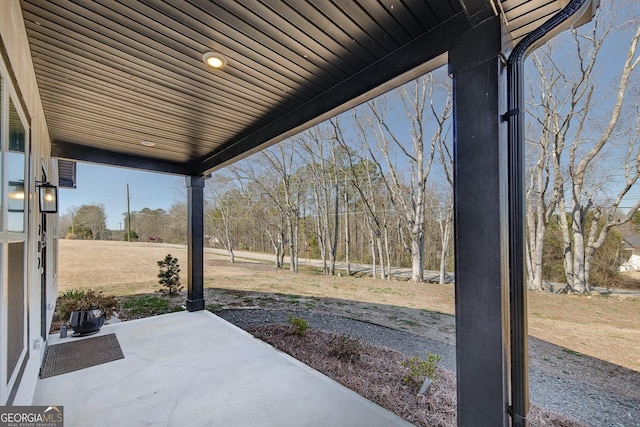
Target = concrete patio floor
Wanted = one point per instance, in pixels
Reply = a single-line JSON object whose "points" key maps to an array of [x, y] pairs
{"points": [[195, 369]]}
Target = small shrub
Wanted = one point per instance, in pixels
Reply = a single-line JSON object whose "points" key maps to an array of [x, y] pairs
{"points": [[345, 347], [298, 325], [78, 300], [169, 275], [419, 369]]}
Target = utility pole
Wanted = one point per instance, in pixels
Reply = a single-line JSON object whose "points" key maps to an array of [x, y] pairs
{"points": [[128, 215]]}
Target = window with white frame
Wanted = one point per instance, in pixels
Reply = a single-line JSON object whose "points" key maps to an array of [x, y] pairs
{"points": [[14, 199]]}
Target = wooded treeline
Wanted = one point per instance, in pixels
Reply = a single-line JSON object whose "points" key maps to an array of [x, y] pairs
{"points": [[374, 185], [370, 186]]}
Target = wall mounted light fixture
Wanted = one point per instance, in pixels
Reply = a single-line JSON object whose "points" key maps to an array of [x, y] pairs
{"points": [[48, 197]]}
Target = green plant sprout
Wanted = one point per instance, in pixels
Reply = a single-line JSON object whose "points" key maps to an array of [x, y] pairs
{"points": [[298, 324], [419, 369]]}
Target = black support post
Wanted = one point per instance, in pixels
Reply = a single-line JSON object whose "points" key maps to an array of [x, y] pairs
{"points": [[195, 242], [481, 225]]}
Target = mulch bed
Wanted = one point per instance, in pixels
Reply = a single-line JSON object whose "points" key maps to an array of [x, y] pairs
{"points": [[377, 375]]}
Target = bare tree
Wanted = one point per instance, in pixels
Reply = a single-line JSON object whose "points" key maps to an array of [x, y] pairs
{"points": [[90, 221], [408, 194], [585, 129], [176, 231], [366, 178], [445, 205], [318, 149], [282, 162], [542, 137], [265, 217], [66, 223], [275, 172], [443, 213], [226, 210]]}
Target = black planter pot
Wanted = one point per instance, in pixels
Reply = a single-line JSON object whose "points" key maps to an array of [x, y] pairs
{"points": [[86, 322]]}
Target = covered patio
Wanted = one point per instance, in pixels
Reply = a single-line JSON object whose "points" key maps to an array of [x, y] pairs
{"points": [[195, 369], [129, 84]]}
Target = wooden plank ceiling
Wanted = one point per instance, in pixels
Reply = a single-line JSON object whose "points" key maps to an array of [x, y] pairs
{"points": [[123, 82]]}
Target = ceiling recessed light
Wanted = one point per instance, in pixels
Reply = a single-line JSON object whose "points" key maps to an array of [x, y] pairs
{"points": [[214, 59], [148, 143]]}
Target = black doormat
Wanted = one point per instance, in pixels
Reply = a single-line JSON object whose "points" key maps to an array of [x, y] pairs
{"points": [[80, 354]]}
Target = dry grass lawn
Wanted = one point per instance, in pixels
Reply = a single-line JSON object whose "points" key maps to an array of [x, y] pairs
{"points": [[600, 326]]}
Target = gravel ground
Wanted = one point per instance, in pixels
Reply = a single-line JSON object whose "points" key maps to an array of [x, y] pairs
{"points": [[591, 391]]}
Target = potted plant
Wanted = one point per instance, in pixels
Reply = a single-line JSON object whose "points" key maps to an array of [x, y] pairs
{"points": [[86, 311]]}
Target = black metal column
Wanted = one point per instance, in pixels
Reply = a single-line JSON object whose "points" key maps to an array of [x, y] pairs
{"points": [[481, 225], [195, 242]]}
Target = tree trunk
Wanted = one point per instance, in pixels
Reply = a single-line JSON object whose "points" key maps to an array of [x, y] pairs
{"points": [[374, 270], [444, 255], [347, 231], [417, 265], [387, 251], [293, 236], [281, 250], [537, 228], [578, 282], [336, 225]]}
